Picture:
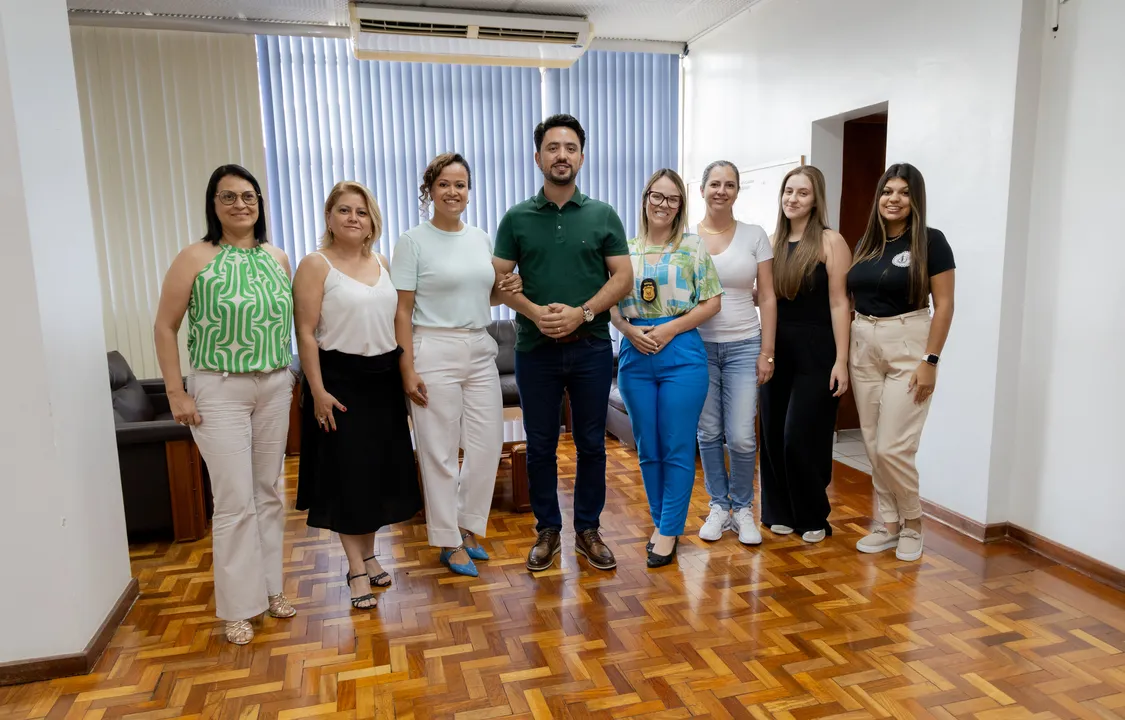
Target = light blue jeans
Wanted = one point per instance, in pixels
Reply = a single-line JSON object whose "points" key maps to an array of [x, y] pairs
{"points": [[728, 418]]}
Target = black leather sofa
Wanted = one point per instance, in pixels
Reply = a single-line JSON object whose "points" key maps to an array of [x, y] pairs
{"points": [[617, 417], [162, 475], [504, 333]]}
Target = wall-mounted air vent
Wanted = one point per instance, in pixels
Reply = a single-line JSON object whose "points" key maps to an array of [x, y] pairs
{"points": [[396, 32], [547, 36], [424, 29]]}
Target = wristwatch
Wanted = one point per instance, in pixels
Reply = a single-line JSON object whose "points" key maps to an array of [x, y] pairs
{"points": [[930, 358], [587, 313]]}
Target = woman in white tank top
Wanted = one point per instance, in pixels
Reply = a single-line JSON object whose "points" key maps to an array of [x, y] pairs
{"points": [[739, 356], [357, 469]]}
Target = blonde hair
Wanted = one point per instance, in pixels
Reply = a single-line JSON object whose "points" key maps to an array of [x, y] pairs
{"points": [[343, 188], [679, 222], [793, 269]]}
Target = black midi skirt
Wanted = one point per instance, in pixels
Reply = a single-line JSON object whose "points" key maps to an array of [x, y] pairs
{"points": [[361, 476]]}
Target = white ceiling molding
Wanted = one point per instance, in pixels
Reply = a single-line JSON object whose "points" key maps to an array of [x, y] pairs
{"points": [[665, 21]]}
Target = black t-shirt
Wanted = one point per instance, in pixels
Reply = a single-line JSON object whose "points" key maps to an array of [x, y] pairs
{"points": [[881, 286]]}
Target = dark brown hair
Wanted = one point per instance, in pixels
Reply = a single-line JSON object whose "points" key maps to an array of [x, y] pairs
{"points": [[214, 227], [433, 170], [792, 269], [871, 245]]}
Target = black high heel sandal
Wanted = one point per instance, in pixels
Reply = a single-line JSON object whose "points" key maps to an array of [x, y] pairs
{"points": [[377, 581], [656, 561], [362, 598]]}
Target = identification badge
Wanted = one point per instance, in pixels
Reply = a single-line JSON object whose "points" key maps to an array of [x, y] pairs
{"points": [[648, 290]]}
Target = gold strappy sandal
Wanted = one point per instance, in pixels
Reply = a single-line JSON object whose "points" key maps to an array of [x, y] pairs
{"points": [[280, 607], [239, 632]]}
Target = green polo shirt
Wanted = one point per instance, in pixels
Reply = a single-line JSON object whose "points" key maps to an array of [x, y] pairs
{"points": [[561, 255]]}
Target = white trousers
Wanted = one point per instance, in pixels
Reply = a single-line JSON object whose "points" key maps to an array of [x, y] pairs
{"points": [[242, 439], [465, 410]]}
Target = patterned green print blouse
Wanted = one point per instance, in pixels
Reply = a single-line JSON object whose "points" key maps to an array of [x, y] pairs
{"points": [[240, 317], [684, 278]]}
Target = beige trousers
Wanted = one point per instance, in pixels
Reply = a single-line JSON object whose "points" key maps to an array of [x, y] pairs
{"points": [[884, 354], [466, 411], [242, 439]]}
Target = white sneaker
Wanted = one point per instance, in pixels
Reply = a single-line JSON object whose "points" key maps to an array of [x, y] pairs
{"points": [[814, 536], [718, 522], [781, 530], [879, 540], [743, 523]]}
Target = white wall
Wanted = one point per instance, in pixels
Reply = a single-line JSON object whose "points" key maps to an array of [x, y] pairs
{"points": [[1069, 477], [66, 560], [948, 71]]}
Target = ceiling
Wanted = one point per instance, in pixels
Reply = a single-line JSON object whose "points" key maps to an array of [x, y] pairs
{"points": [[666, 20]]}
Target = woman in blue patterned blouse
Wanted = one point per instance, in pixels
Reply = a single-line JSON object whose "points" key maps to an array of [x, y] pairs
{"points": [[662, 372]]}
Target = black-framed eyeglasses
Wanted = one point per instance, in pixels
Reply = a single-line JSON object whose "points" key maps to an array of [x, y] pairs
{"points": [[227, 197], [657, 198]]}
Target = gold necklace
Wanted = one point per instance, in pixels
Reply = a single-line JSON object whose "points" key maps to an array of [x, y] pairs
{"points": [[717, 232]]}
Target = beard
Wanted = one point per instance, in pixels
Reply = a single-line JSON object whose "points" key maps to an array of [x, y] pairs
{"points": [[550, 176]]}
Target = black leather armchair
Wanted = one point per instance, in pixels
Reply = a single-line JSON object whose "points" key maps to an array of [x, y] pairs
{"points": [[504, 333], [162, 481]]}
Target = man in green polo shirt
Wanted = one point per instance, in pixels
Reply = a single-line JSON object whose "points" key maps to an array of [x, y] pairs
{"points": [[574, 262]]}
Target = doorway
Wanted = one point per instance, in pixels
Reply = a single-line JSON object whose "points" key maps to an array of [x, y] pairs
{"points": [[864, 160]]}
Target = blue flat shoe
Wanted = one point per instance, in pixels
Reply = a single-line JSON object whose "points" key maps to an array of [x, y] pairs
{"points": [[475, 552], [460, 568]]}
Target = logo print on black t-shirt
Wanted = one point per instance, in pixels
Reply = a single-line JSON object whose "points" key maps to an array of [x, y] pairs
{"points": [[902, 259]]}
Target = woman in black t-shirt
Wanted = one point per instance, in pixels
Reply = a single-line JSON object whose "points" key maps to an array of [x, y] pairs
{"points": [[899, 264]]}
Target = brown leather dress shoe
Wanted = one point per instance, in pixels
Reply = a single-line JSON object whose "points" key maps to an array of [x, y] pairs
{"points": [[589, 543], [543, 552]]}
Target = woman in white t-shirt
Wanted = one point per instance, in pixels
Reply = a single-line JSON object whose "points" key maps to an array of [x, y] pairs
{"points": [[446, 285], [739, 356]]}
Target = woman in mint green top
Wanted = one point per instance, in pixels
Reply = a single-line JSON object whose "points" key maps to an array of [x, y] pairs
{"points": [[235, 289], [442, 270], [662, 366]]}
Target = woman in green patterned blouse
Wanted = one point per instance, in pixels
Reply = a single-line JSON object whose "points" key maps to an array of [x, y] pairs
{"points": [[236, 292], [662, 372]]}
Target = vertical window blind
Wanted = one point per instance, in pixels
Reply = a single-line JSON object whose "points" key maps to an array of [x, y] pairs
{"points": [[328, 117]]}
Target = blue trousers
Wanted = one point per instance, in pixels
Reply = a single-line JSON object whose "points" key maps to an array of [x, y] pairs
{"points": [[664, 394]]}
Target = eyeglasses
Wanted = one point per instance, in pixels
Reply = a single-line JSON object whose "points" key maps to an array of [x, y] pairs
{"points": [[227, 197], [655, 199]]}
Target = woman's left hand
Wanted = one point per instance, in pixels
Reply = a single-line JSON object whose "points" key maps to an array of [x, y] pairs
{"points": [[510, 283], [922, 382], [661, 335], [838, 381], [765, 369]]}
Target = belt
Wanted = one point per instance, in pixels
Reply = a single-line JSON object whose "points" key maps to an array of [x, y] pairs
{"points": [[575, 336]]}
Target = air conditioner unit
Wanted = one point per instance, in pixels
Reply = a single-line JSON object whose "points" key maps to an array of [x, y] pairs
{"points": [[411, 34]]}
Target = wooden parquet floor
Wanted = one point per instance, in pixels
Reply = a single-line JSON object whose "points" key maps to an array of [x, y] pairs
{"points": [[785, 630]]}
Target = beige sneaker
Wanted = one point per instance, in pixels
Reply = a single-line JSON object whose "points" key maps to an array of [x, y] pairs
{"points": [[909, 545], [879, 540]]}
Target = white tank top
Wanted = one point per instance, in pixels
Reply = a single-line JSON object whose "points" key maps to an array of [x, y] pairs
{"points": [[357, 318]]}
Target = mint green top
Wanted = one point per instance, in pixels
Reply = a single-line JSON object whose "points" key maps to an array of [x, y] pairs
{"points": [[240, 317], [450, 274], [684, 278]]}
